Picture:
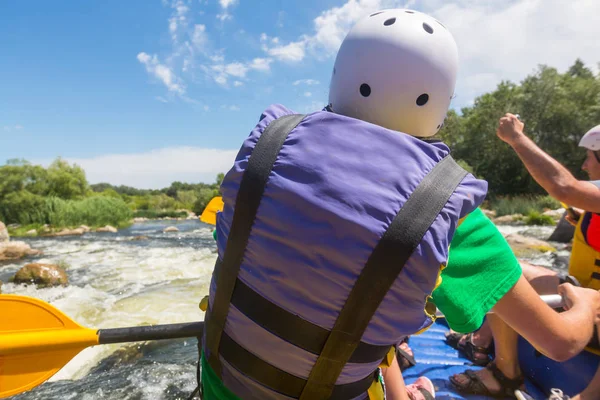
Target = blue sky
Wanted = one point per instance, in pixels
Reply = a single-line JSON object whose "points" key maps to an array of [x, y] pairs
{"points": [[144, 92]]}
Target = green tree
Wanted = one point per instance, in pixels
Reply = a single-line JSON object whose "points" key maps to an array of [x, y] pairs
{"points": [[65, 181]]}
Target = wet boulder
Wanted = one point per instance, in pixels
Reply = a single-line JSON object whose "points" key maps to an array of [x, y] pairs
{"points": [[31, 232], [525, 247], [140, 237], [107, 228], [564, 231], [16, 250], [42, 275], [69, 232], [171, 229], [4, 237]]}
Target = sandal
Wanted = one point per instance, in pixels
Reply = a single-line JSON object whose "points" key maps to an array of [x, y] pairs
{"points": [[405, 360], [555, 394], [470, 349], [475, 384], [421, 389]]}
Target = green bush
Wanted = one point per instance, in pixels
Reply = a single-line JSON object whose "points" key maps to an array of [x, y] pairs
{"points": [[29, 209], [155, 214], [537, 218], [522, 204]]}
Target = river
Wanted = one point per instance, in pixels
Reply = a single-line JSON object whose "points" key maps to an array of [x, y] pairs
{"points": [[119, 280]]}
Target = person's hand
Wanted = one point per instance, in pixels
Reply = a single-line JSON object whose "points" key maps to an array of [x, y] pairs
{"points": [[509, 128], [581, 297]]}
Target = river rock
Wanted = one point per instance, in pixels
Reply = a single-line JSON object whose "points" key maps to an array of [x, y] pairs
{"points": [[139, 219], [514, 219], [555, 214], [69, 232], [141, 237], [4, 237], [16, 250], [564, 231], [171, 229], [85, 228], [31, 232], [524, 246], [42, 275], [107, 228]]}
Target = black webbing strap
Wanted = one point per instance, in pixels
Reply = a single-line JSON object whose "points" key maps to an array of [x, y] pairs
{"points": [[247, 201], [381, 270], [290, 327], [279, 380]]}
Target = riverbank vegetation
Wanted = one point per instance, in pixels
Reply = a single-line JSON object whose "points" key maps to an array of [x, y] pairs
{"points": [[59, 196]]}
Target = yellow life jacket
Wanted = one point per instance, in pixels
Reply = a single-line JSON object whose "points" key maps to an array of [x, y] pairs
{"points": [[585, 260]]}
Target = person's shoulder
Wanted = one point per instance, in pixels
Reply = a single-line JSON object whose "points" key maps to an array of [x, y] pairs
{"points": [[275, 111]]}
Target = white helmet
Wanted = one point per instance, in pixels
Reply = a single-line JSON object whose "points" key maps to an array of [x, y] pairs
{"points": [[397, 69], [591, 140]]}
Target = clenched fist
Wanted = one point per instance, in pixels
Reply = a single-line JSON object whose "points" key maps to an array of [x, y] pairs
{"points": [[510, 128]]}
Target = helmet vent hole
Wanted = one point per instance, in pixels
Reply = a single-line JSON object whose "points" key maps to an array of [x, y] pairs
{"points": [[365, 90], [409, 12], [377, 13], [389, 22], [427, 28], [334, 70], [439, 126], [422, 99]]}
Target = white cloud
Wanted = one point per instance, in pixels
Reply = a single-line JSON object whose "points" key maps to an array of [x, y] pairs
{"points": [[329, 28], [496, 39], [307, 94], [227, 3], [161, 72], [224, 16], [222, 72], [308, 82], [502, 40], [158, 168], [238, 83], [161, 99], [199, 36], [261, 64], [292, 52]]}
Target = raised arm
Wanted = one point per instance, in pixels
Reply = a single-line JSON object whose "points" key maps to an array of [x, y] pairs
{"points": [[548, 172]]}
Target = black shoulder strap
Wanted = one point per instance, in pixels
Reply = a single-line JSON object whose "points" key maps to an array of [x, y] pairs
{"points": [[381, 270], [247, 201]]}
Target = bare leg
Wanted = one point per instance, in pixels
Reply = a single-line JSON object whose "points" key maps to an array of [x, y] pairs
{"points": [[394, 383], [544, 281], [505, 343], [591, 392]]}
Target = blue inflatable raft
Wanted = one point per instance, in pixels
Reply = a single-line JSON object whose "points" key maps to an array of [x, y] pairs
{"points": [[438, 361]]}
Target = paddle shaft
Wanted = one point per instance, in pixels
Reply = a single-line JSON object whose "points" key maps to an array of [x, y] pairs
{"points": [[151, 332], [552, 300]]}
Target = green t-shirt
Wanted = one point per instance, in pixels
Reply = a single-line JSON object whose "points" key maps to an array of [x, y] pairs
{"points": [[481, 269]]}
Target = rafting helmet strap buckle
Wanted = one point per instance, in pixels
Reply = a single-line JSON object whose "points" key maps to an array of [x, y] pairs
{"points": [[380, 272], [248, 198]]}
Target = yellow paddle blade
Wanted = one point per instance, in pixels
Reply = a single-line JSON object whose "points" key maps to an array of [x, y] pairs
{"points": [[36, 340], [209, 215]]}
